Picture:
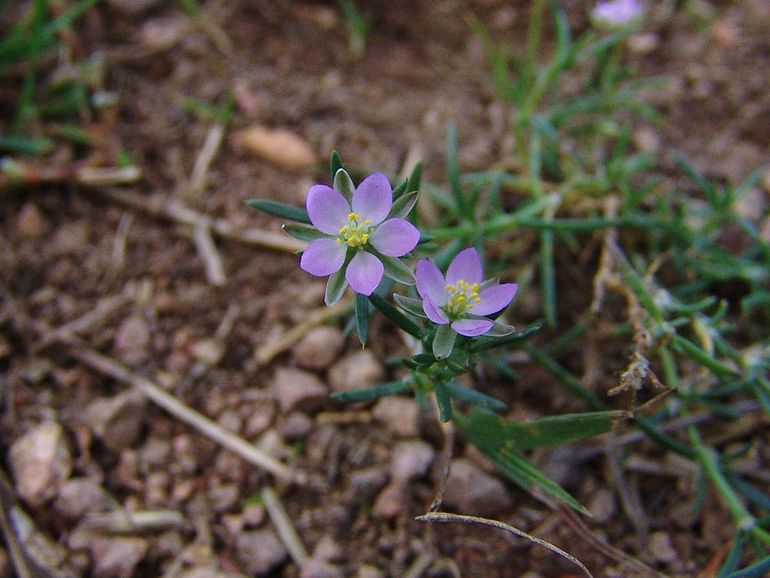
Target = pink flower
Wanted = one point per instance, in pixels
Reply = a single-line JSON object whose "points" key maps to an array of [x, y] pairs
{"points": [[356, 233], [617, 13], [462, 299]]}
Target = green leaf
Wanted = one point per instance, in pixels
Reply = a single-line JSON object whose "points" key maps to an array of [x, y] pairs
{"points": [[395, 315], [410, 305], [483, 343], [335, 287], [374, 392], [444, 402], [396, 269], [335, 163], [546, 432], [444, 341], [303, 232], [400, 190], [281, 210], [415, 179], [453, 174], [473, 397], [343, 184], [403, 205], [362, 318], [489, 433]]}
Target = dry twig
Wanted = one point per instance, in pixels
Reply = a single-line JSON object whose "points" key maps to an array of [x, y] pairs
{"points": [[285, 528], [475, 520]]}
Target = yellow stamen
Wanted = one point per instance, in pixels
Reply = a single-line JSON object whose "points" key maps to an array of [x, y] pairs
{"points": [[462, 297], [355, 234]]}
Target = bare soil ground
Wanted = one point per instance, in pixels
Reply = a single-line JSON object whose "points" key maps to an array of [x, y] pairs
{"points": [[198, 313]]}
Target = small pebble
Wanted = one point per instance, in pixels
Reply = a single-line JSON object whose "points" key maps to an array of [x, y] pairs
{"points": [[116, 557], [319, 348], [280, 147], [661, 548], [296, 426], [40, 462], [411, 460], [30, 222], [260, 552], [356, 371], [81, 496], [390, 501], [471, 491], [602, 506], [117, 421], [298, 390], [399, 414], [132, 340]]}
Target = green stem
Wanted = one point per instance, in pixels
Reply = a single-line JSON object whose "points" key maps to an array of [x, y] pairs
{"points": [[710, 463]]}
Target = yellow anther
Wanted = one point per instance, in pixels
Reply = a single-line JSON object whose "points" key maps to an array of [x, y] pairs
{"points": [[352, 217], [462, 297]]}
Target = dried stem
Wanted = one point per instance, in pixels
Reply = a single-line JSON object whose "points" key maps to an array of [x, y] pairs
{"points": [[285, 528], [475, 520]]}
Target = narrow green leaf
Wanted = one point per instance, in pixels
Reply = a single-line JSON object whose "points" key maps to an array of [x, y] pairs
{"points": [[396, 269], [303, 232], [489, 436], [335, 287], [546, 432], [362, 318], [444, 341], [403, 205], [343, 184], [410, 305], [473, 397], [483, 343], [415, 179], [444, 402], [374, 392], [335, 163], [400, 189], [25, 145], [453, 174], [395, 315], [281, 210]]}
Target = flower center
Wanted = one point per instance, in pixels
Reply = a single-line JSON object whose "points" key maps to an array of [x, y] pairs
{"points": [[356, 233], [462, 297]]}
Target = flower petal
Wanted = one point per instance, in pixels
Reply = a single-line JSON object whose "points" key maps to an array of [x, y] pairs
{"points": [[434, 313], [495, 298], [472, 327], [323, 257], [466, 266], [364, 273], [373, 198], [430, 282], [395, 237], [328, 210]]}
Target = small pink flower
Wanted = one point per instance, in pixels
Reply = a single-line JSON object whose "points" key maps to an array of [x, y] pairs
{"points": [[462, 299], [617, 13], [355, 232]]}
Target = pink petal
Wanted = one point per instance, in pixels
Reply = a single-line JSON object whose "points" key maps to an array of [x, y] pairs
{"points": [[495, 298], [323, 257], [434, 313], [364, 273], [328, 210], [430, 282], [472, 327], [373, 198], [466, 266], [395, 237]]}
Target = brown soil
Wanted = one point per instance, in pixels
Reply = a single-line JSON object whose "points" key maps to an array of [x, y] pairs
{"points": [[69, 249]]}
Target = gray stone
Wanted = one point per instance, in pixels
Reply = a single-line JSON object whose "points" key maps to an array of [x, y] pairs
{"points": [[602, 506], [319, 348], [40, 462], [132, 340], [662, 549], [117, 421], [296, 426], [297, 389], [356, 371], [116, 557], [399, 414], [411, 460], [471, 491], [80, 496], [259, 552]]}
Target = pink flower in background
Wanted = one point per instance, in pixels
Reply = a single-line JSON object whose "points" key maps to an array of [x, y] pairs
{"points": [[462, 298], [356, 232], [617, 13]]}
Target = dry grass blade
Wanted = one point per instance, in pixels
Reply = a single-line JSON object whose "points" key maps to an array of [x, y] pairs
{"points": [[202, 163], [266, 353], [186, 414], [285, 528], [180, 213], [207, 250], [126, 522], [474, 520]]}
